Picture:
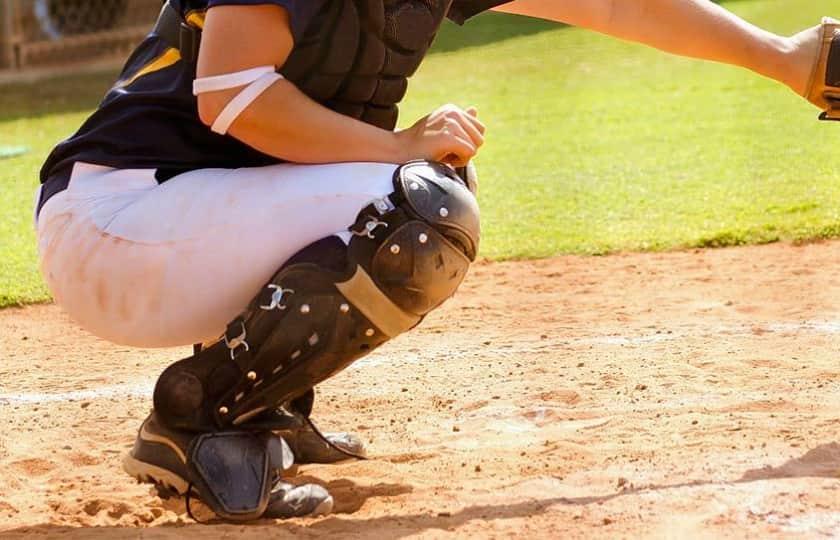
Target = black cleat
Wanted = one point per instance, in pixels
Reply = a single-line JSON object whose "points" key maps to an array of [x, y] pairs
{"points": [[182, 462], [159, 456]]}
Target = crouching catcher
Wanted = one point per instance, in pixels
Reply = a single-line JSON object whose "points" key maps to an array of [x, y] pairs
{"points": [[226, 419]]}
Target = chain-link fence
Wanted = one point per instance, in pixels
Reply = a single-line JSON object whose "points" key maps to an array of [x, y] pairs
{"points": [[47, 33]]}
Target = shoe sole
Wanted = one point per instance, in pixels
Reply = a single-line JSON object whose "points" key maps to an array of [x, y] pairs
{"points": [[151, 474]]}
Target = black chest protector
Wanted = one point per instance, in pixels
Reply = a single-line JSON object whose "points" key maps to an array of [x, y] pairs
{"points": [[357, 55]]}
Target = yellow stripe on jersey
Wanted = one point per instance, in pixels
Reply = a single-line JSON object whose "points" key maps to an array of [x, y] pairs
{"points": [[169, 57], [196, 18]]}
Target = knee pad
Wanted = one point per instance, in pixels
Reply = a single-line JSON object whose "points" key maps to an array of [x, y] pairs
{"points": [[332, 303]]}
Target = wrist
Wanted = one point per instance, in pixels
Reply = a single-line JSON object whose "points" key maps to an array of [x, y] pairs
{"points": [[786, 60], [399, 146]]}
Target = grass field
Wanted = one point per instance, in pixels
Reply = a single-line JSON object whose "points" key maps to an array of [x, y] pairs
{"points": [[594, 146]]}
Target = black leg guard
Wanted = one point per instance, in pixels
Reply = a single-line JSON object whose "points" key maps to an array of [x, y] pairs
{"points": [[330, 305]]}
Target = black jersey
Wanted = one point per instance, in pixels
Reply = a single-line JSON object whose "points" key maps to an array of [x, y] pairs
{"points": [[149, 118]]}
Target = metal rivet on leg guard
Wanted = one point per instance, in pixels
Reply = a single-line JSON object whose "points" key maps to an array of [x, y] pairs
{"points": [[252, 376], [305, 309], [370, 332], [395, 249], [345, 308], [313, 340], [223, 410], [423, 238], [295, 355], [444, 212]]}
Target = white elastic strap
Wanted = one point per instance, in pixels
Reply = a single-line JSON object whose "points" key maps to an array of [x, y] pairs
{"points": [[244, 98], [230, 80]]}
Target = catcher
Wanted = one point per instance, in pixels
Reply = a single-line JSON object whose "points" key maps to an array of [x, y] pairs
{"points": [[242, 186]]}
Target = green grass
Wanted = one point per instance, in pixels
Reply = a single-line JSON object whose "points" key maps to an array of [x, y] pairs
{"points": [[595, 145], [36, 116]]}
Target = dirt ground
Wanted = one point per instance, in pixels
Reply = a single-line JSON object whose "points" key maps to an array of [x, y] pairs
{"points": [[679, 395]]}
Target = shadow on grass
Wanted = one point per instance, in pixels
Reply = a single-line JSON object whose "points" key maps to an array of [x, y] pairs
{"points": [[54, 95], [488, 28], [83, 92]]}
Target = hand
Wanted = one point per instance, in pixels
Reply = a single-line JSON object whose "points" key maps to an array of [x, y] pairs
{"points": [[450, 134]]}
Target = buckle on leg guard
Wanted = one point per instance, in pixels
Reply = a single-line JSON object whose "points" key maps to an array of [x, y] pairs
{"points": [[235, 340], [370, 225], [276, 298]]}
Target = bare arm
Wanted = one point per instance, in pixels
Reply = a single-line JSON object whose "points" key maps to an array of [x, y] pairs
{"points": [[693, 28], [285, 123]]}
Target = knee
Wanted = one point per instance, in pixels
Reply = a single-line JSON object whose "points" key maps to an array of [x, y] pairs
{"points": [[429, 248]]}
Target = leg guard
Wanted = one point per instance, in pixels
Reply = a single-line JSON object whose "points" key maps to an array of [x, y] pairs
{"points": [[331, 304]]}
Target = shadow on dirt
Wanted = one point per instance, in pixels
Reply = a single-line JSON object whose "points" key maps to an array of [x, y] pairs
{"points": [[386, 527], [350, 497], [820, 462]]}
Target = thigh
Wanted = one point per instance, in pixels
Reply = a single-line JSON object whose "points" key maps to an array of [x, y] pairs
{"points": [[172, 264]]}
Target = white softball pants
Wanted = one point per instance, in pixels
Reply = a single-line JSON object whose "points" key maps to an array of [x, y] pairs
{"points": [[157, 265]]}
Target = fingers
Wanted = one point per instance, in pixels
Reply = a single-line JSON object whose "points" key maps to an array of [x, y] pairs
{"points": [[472, 113], [467, 120], [449, 134], [475, 135], [457, 149]]}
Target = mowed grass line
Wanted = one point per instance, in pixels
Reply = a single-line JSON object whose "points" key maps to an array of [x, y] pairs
{"points": [[595, 145]]}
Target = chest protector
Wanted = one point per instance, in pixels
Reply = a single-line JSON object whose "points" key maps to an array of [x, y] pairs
{"points": [[357, 55]]}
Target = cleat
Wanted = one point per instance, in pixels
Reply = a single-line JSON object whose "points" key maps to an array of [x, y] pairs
{"points": [[309, 447], [288, 501], [179, 462], [159, 456]]}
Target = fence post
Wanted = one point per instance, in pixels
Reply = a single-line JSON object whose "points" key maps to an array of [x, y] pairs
{"points": [[11, 33], [6, 52]]}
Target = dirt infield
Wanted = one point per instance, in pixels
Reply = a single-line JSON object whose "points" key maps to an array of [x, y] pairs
{"points": [[680, 395]]}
